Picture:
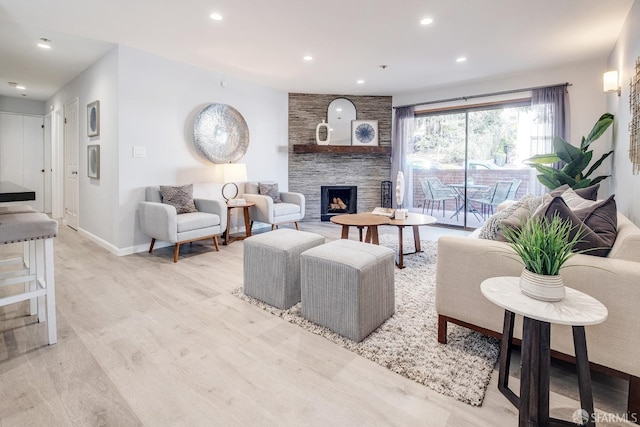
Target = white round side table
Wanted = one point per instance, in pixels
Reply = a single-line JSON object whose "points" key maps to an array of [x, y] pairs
{"points": [[578, 310]]}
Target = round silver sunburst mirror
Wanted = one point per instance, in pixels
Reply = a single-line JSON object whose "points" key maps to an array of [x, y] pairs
{"points": [[221, 134]]}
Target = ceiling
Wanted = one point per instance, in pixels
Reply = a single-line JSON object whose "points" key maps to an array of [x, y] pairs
{"points": [[264, 41]]}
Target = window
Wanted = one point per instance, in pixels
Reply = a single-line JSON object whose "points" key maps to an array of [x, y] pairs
{"points": [[471, 150]]}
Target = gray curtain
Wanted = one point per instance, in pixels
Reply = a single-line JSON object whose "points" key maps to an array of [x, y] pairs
{"points": [[550, 108], [401, 146]]}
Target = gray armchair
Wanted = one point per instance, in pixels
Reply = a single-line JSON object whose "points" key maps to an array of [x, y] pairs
{"points": [[266, 211], [161, 222]]}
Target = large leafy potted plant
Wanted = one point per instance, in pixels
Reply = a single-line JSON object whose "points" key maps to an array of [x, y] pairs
{"points": [[543, 245], [576, 160]]}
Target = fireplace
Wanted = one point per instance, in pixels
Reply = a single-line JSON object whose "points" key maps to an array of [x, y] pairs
{"points": [[337, 199]]}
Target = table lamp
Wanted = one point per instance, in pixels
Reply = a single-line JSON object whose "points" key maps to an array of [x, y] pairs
{"points": [[230, 174]]}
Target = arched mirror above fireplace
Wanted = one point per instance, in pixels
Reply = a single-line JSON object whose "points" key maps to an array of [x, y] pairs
{"points": [[339, 115]]}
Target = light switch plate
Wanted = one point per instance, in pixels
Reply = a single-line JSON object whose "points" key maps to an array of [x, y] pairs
{"points": [[139, 152]]}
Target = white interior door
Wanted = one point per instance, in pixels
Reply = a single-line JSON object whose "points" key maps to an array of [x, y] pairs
{"points": [[33, 159], [71, 164]]}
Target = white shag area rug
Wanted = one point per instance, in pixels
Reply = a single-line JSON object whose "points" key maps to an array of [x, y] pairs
{"points": [[407, 342]]}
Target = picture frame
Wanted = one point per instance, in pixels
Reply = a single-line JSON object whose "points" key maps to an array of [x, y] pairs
{"points": [[93, 118], [364, 132], [93, 161]]}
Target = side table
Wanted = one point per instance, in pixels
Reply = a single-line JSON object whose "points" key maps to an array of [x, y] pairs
{"points": [[414, 220], [577, 310], [247, 223]]}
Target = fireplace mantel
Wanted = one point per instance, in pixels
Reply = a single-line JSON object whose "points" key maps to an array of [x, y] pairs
{"points": [[340, 149]]}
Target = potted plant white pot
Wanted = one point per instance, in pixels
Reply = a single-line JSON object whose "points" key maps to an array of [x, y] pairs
{"points": [[543, 245]]}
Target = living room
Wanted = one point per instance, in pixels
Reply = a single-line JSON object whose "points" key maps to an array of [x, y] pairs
{"points": [[150, 101]]}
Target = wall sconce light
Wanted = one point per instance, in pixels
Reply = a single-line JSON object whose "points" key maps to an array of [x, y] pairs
{"points": [[610, 82], [230, 173]]}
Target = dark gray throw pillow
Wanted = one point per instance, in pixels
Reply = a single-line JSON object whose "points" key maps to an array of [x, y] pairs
{"points": [[270, 190], [179, 197], [598, 222]]}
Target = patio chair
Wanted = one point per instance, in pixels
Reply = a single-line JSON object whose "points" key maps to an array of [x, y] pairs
{"points": [[513, 192], [435, 191], [491, 197]]}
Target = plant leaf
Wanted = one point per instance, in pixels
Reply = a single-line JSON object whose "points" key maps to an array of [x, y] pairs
{"points": [[575, 168], [598, 163], [545, 159], [548, 182], [565, 151], [599, 178], [598, 129]]}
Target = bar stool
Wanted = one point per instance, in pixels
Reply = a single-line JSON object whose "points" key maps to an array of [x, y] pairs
{"points": [[36, 231]]}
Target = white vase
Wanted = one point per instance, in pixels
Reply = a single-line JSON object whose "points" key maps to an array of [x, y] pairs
{"points": [[538, 286], [328, 138]]}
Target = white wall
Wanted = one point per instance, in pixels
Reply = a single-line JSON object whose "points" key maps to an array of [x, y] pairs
{"points": [[97, 197], [623, 59], [152, 102], [587, 101], [22, 105]]}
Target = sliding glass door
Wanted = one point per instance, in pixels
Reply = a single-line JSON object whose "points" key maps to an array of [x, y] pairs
{"points": [[467, 161]]}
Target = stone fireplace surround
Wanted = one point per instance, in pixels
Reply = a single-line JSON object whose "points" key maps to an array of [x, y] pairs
{"points": [[308, 172]]}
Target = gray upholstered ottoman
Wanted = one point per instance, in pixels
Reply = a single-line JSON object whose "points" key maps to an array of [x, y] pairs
{"points": [[348, 287], [272, 265]]}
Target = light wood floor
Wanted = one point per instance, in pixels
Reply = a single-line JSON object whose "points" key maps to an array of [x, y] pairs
{"points": [[144, 341]]}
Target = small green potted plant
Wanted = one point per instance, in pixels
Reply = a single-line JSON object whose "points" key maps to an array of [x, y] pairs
{"points": [[543, 245]]}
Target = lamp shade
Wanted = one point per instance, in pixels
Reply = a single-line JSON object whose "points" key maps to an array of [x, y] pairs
{"points": [[610, 81], [230, 172]]}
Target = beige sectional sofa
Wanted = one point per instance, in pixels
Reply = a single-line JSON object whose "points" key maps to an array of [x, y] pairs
{"points": [[613, 346]]}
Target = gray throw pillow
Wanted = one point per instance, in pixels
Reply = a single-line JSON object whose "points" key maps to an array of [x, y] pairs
{"points": [[589, 193], [179, 197], [270, 190], [598, 223]]}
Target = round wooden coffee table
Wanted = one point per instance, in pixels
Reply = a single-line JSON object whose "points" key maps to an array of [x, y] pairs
{"points": [[361, 221], [414, 220]]}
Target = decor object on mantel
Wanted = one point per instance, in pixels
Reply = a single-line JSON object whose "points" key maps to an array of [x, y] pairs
{"points": [[399, 189], [406, 343], [364, 132], [340, 113], [221, 134], [327, 130], [544, 246], [576, 160]]}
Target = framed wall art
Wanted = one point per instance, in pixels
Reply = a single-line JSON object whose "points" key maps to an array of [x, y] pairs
{"points": [[364, 132], [93, 118], [93, 161]]}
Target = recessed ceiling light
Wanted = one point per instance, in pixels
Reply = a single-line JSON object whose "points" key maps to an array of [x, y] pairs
{"points": [[461, 59], [216, 16], [426, 21], [44, 43], [307, 58], [360, 82], [20, 87]]}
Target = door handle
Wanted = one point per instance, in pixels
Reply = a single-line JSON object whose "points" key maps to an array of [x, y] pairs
{"points": [[74, 173]]}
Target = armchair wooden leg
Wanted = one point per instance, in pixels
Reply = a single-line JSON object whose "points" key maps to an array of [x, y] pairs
{"points": [[176, 251], [296, 223], [153, 242], [215, 243], [442, 329], [273, 227]]}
